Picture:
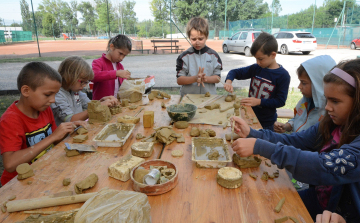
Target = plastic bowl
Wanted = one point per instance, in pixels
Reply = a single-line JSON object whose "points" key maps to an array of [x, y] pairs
{"points": [[181, 112]]}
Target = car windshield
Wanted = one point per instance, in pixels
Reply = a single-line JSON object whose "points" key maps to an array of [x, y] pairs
{"points": [[304, 35]]}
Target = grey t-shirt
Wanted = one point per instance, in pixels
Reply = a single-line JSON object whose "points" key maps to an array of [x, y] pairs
{"points": [[67, 104], [188, 63]]}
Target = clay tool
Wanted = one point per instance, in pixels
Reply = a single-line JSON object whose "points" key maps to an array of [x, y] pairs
{"points": [[190, 99], [210, 101], [224, 84], [43, 202], [80, 147], [232, 131], [138, 112]]}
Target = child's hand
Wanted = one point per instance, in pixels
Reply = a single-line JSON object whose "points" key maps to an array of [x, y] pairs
{"points": [[251, 101], [279, 127], [81, 123], [123, 74], [228, 87], [107, 102], [241, 127], [111, 99], [200, 76], [62, 130], [328, 217], [244, 147]]}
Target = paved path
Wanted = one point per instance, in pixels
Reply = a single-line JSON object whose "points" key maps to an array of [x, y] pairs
{"points": [[163, 66]]}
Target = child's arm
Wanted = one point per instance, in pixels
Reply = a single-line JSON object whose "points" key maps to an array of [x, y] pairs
{"points": [[281, 93], [104, 75], [239, 74], [184, 80], [12, 159]]}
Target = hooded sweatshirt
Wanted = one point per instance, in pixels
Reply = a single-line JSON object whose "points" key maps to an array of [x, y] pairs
{"points": [[310, 111]]}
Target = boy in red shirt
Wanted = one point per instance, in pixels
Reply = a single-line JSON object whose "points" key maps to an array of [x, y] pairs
{"points": [[27, 128]]}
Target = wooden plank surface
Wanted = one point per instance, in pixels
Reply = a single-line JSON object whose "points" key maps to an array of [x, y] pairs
{"points": [[196, 198]]}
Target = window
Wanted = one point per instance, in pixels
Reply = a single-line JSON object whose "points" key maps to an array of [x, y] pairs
{"points": [[243, 35], [289, 36], [304, 35], [257, 34], [235, 37], [281, 36]]}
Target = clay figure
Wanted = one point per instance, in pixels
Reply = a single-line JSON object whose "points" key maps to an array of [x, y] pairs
{"points": [[133, 107], [163, 105], [139, 175], [125, 102], [228, 98], [135, 97], [180, 139], [267, 164], [177, 153], [82, 131], [163, 180], [181, 124], [80, 138], [276, 174], [29, 182], [12, 197], [142, 149], [207, 94], [128, 119], [195, 132], [229, 177], [279, 205], [246, 162], [70, 153], [265, 176], [204, 133], [160, 96], [140, 136], [225, 109], [211, 132], [202, 110], [148, 119], [169, 173], [164, 94], [253, 176], [212, 106], [281, 220], [255, 120], [66, 181], [234, 135], [98, 112], [213, 154], [87, 183], [115, 110], [24, 171], [151, 97]]}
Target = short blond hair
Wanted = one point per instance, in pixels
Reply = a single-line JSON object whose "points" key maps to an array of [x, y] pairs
{"points": [[199, 24], [72, 69]]}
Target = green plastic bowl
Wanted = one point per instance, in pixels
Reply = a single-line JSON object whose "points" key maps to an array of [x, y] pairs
{"points": [[181, 112]]}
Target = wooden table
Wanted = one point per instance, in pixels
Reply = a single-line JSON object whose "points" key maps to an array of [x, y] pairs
{"points": [[196, 198]]}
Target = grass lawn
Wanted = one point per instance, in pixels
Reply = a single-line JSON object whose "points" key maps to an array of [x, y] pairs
{"points": [[293, 98]]}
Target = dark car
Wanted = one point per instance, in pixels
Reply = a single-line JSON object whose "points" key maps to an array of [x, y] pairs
{"points": [[355, 44]]}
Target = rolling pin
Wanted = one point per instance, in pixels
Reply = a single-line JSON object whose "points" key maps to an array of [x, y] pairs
{"points": [[43, 202]]}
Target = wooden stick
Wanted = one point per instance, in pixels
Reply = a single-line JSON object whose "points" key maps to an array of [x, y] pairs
{"points": [[43, 202], [232, 131], [210, 100]]}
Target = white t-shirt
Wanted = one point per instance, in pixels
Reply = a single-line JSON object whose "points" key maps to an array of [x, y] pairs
{"points": [[116, 83]]}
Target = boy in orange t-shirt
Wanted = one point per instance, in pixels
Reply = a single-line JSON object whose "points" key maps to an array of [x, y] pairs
{"points": [[27, 128]]}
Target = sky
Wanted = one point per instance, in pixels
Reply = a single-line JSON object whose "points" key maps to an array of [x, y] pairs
{"points": [[10, 9]]}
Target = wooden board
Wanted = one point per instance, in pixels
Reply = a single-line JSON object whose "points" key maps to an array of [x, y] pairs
{"points": [[212, 117], [196, 198]]}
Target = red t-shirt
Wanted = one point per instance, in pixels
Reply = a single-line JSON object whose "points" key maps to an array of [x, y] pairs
{"points": [[18, 131]]}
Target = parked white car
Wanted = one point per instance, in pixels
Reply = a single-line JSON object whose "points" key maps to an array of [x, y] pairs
{"points": [[295, 41], [240, 42]]}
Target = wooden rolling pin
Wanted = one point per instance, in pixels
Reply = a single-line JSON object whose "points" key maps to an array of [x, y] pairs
{"points": [[43, 202]]}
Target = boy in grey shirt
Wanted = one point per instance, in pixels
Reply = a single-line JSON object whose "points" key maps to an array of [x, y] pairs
{"points": [[199, 67]]}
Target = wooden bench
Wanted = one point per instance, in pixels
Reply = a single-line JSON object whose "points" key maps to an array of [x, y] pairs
{"points": [[176, 50], [171, 46], [285, 113], [142, 51]]}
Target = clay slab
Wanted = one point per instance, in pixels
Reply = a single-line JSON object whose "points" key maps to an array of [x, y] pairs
{"points": [[202, 146], [142, 149], [114, 135]]}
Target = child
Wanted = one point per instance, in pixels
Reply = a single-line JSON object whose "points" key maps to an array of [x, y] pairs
{"points": [[70, 101], [27, 128], [269, 81], [311, 108], [327, 154], [199, 67], [109, 72]]}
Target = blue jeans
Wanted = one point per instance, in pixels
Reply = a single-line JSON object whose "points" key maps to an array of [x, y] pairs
{"points": [[311, 202]]}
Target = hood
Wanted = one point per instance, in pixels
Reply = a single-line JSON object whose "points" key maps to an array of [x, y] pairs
{"points": [[316, 68]]}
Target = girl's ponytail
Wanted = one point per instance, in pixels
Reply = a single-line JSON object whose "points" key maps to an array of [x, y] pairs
{"points": [[120, 42]]}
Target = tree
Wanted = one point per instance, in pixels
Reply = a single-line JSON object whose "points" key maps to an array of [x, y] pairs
{"points": [[102, 22], [53, 7], [160, 9], [276, 6], [50, 27], [129, 16], [15, 24], [88, 15], [68, 14], [26, 16]]}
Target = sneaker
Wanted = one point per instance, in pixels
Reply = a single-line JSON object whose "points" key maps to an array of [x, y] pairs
{"points": [[297, 184]]}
